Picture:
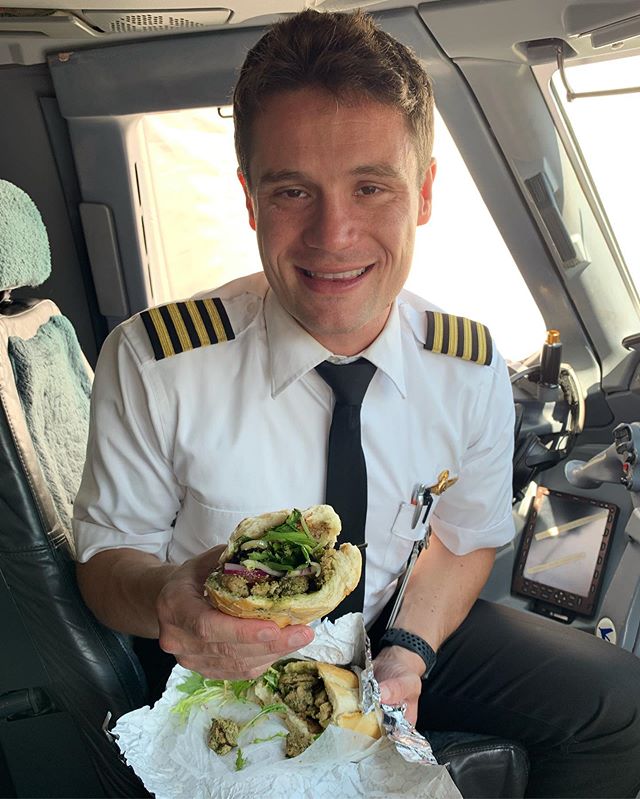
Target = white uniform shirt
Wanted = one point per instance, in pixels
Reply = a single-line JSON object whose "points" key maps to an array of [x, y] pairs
{"points": [[183, 448]]}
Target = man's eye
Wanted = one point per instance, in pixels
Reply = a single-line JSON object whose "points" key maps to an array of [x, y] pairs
{"points": [[369, 191], [293, 194]]}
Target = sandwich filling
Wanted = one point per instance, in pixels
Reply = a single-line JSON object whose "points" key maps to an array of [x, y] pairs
{"points": [[284, 561], [295, 688], [299, 686], [303, 690]]}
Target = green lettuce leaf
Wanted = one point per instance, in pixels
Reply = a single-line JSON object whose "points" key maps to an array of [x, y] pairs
{"points": [[199, 690]]}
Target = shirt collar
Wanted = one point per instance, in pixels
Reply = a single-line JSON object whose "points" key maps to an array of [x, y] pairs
{"points": [[293, 352], [386, 351]]}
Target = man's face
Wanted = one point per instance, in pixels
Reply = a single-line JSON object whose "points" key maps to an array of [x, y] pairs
{"points": [[335, 198]]}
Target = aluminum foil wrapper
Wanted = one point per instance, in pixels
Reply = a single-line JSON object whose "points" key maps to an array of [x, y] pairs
{"points": [[407, 740], [409, 743]]}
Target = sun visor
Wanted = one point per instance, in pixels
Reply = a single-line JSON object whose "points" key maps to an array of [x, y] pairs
{"points": [[171, 72]]}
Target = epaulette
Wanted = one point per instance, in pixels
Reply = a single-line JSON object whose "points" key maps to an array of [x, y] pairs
{"points": [[182, 326], [463, 338]]}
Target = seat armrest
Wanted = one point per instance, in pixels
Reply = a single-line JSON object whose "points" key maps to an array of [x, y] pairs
{"points": [[482, 766]]}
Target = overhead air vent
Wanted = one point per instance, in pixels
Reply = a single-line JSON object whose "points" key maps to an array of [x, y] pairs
{"points": [[150, 20]]}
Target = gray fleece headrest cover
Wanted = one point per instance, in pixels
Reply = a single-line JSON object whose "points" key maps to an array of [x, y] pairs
{"points": [[54, 390], [25, 259]]}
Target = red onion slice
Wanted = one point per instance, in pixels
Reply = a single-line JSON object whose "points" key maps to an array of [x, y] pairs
{"points": [[250, 575], [229, 568]]}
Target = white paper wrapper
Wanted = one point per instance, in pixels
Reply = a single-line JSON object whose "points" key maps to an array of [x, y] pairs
{"points": [[171, 756]]}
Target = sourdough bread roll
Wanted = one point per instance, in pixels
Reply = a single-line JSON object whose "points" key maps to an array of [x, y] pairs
{"points": [[343, 690], [339, 571]]}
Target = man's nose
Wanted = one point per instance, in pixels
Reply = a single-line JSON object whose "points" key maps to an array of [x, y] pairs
{"points": [[331, 226]]}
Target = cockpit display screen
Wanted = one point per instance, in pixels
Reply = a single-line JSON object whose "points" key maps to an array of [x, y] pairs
{"points": [[563, 550]]}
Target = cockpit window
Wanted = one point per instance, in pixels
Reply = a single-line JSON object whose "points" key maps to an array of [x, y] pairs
{"points": [[197, 234], [196, 228], [605, 131]]}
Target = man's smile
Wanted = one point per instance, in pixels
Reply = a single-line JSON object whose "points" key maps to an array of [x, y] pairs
{"points": [[336, 277]]}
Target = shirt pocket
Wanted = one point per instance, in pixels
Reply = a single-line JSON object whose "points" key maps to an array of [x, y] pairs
{"points": [[402, 537], [200, 527]]}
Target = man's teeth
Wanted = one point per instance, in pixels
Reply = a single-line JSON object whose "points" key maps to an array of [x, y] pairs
{"points": [[336, 275]]}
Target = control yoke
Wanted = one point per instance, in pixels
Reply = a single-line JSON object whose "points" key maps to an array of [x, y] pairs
{"points": [[616, 464]]}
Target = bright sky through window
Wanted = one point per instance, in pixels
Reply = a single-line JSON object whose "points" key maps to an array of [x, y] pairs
{"points": [[607, 130]]}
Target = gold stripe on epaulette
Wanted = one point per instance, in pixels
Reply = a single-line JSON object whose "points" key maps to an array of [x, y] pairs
{"points": [[161, 332], [453, 335], [181, 330], [466, 353], [459, 337], [215, 319], [483, 343], [201, 330], [183, 326], [437, 332]]}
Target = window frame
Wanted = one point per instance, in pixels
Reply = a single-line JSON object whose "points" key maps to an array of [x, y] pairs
{"points": [[544, 74]]}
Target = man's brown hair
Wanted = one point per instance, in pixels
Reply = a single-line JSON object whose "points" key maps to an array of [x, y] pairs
{"points": [[346, 54]]}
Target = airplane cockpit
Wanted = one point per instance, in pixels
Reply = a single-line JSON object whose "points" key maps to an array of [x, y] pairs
{"points": [[118, 193]]}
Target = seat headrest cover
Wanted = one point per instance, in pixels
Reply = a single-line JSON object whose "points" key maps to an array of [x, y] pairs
{"points": [[25, 258]]}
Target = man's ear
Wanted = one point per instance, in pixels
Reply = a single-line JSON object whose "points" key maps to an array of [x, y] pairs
{"points": [[424, 203], [247, 199]]}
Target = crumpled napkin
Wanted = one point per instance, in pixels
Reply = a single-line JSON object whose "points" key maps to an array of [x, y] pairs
{"points": [[172, 759]]}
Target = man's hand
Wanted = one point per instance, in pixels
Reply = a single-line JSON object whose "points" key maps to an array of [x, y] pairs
{"points": [[398, 673], [212, 643]]}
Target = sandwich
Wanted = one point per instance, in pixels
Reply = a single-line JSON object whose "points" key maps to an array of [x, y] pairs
{"points": [[315, 695], [283, 566]]}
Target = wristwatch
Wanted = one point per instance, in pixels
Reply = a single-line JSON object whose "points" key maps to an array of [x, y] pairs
{"points": [[395, 636]]}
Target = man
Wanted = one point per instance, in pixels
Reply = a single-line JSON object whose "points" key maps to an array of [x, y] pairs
{"points": [[333, 135]]}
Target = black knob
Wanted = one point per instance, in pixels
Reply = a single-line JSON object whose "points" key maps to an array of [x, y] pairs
{"points": [[551, 359]]}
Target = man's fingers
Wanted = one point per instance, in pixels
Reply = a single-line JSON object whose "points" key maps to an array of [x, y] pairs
{"points": [[214, 634], [238, 658], [214, 626], [177, 643]]}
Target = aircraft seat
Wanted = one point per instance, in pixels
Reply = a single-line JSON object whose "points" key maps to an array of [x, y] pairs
{"points": [[62, 671]]}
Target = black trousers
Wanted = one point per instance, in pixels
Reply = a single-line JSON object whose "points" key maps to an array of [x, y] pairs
{"points": [[572, 700]]}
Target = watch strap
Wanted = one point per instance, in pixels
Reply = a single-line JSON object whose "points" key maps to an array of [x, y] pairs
{"points": [[396, 636]]}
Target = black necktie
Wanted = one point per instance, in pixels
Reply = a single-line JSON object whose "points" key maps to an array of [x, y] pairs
{"points": [[346, 468]]}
